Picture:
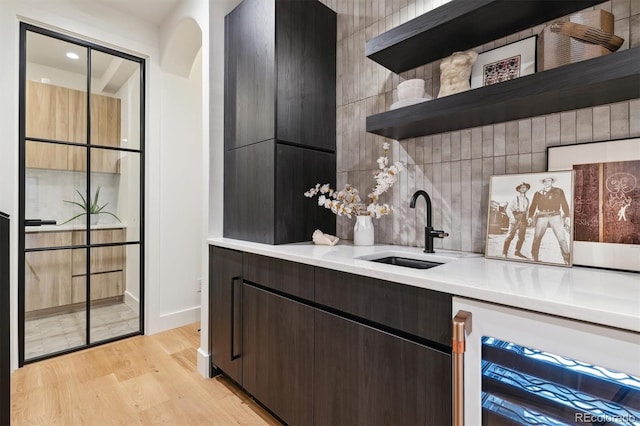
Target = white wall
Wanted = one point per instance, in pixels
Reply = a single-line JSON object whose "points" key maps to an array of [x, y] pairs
{"points": [[97, 23]]}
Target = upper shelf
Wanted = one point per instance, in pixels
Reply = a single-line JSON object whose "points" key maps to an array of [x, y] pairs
{"points": [[610, 78], [460, 25]]}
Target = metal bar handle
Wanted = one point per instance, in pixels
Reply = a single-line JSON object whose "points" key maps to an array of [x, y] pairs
{"points": [[461, 327], [234, 355], [38, 222]]}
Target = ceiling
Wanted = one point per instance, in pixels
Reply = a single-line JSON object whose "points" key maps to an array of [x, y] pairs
{"points": [[153, 11], [111, 70]]}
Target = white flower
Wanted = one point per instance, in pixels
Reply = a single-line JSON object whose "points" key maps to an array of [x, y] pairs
{"points": [[348, 202]]}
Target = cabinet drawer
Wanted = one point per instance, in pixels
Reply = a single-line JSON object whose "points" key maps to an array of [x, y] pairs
{"points": [[289, 277], [103, 259], [103, 286], [420, 312]]}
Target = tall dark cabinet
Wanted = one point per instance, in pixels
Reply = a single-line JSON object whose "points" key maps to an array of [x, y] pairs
{"points": [[280, 119], [5, 340]]}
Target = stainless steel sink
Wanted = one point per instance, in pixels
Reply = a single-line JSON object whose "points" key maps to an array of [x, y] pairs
{"points": [[405, 261]]}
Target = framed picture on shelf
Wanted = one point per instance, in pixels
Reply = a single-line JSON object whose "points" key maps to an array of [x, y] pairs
{"points": [[607, 201], [530, 218], [504, 63]]}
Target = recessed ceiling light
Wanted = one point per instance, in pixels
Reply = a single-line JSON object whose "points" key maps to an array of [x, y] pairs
{"points": [[72, 55]]}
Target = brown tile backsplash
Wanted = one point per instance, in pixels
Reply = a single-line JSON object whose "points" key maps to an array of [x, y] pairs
{"points": [[455, 167]]}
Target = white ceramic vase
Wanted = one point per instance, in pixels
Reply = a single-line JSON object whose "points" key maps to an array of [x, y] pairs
{"points": [[363, 231]]}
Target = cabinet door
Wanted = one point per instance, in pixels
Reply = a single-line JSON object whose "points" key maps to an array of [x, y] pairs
{"points": [[297, 170], [225, 289], [249, 193], [46, 118], [363, 376], [249, 96], [47, 273], [278, 354], [306, 73]]}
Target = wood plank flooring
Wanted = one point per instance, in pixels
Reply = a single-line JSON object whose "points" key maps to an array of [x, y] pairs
{"points": [[143, 380]]}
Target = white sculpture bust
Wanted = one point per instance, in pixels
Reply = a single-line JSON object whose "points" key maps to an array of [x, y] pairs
{"points": [[455, 72]]}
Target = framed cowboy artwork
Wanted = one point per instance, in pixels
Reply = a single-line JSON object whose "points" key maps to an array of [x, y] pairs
{"points": [[530, 218]]}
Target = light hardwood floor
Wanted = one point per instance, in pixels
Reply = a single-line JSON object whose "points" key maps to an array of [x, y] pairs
{"points": [[145, 380]]}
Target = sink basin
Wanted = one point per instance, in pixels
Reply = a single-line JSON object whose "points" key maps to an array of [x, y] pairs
{"points": [[405, 261]]}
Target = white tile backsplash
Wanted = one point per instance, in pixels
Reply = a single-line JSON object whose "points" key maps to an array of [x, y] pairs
{"points": [[47, 190]]}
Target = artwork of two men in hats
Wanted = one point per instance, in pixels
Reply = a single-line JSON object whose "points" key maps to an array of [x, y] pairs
{"points": [[546, 210]]}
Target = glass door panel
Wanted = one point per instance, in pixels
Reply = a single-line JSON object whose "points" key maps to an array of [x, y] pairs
{"points": [[117, 195], [115, 291], [55, 89], [82, 189], [55, 306]]}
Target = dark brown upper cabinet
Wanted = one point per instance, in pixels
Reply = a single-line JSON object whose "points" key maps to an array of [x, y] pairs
{"points": [[280, 119], [280, 74]]}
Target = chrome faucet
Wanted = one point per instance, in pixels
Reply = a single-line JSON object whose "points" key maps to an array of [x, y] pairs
{"points": [[429, 232]]}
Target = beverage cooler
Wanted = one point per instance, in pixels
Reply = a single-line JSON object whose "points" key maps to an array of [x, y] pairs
{"points": [[525, 368]]}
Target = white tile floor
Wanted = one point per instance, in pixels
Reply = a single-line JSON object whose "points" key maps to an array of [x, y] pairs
{"points": [[64, 331]]}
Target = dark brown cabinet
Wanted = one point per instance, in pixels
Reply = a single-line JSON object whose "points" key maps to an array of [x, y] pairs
{"points": [[280, 73], [419, 312], [278, 354], [364, 376], [264, 190], [225, 292], [280, 119], [321, 347], [5, 338]]}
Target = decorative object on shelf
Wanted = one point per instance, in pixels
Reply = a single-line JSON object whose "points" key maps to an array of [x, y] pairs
{"points": [[410, 92], [455, 71], [504, 63], [535, 208], [348, 202], [406, 102], [91, 208], [411, 89], [320, 238], [581, 36], [607, 200]]}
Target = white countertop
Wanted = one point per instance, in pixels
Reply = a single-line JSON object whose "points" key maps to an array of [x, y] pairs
{"points": [[70, 227], [587, 294]]}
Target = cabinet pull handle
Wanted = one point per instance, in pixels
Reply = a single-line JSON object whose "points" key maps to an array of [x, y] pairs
{"points": [[235, 355], [461, 327], [38, 222]]}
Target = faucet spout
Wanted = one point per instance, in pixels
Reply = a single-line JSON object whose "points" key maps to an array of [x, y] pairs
{"points": [[429, 232], [414, 198]]}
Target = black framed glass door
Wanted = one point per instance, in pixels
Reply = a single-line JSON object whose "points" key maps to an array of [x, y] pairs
{"points": [[81, 194]]}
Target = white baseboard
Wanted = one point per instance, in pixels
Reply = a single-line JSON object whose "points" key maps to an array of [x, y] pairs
{"points": [[173, 320], [204, 363], [132, 302]]}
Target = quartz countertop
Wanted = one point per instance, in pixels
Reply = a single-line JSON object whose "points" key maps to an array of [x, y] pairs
{"points": [[70, 227], [598, 296]]}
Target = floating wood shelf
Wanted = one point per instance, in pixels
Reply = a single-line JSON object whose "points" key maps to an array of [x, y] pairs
{"points": [[609, 78], [460, 25]]}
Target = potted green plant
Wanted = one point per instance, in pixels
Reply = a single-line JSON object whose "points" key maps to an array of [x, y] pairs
{"points": [[90, 207]]}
